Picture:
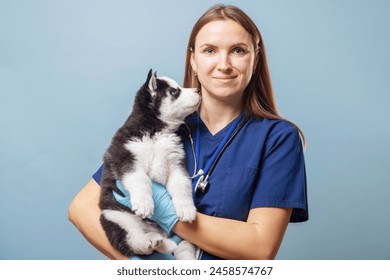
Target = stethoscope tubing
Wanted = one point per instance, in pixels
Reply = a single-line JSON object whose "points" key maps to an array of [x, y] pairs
{"points": [[204, 177]]}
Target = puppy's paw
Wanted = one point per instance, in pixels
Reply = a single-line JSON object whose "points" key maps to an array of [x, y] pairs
{"points": [[185, 251], [186, 213], [154, 239], [166, 246], [147, 243], [143, 207]]}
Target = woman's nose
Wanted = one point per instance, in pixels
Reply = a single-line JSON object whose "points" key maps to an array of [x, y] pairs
{"points": [[224, 63]]}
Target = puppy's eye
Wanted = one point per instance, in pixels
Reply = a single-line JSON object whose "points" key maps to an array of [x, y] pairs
{"points": [[174, 92]]}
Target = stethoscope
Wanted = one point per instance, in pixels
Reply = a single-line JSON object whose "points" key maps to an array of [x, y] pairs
{"points": [[200, 178]]}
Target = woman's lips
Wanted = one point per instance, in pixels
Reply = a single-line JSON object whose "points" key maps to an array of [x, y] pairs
{"points": [[225, 78]]}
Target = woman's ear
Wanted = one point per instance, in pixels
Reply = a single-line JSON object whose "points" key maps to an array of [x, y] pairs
{"points": [[192, 61], [257, 59]]}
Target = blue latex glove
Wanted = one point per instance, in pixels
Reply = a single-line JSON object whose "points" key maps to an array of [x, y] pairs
{"points": [[164, 212]]}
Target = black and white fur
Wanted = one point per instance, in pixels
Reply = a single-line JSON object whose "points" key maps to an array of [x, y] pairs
{"points": [[145, 149]]}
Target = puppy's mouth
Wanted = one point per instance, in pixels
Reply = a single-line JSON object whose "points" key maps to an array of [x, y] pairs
{"points": [[195, 106], [199, 101]]}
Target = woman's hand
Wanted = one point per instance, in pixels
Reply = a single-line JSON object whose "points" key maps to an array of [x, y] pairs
{"points": [[164, 212]]}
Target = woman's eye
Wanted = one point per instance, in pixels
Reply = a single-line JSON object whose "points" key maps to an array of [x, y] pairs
{"points": [[239, 51], [208, 51]]}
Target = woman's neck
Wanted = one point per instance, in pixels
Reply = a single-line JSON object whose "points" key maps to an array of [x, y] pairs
{"points": [[217, 115]]}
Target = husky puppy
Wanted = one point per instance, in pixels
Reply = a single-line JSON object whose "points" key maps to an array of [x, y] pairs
{"points": [[145, 149]]}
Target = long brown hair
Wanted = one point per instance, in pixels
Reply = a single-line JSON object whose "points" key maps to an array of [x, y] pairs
{"points": [[259, 101]]}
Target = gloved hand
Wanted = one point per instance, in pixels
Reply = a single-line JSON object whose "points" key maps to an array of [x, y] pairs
{"points": [[157, 255], [164, 212]]}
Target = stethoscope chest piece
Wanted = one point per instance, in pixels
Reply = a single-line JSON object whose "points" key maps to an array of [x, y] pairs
{"points": [[201, 184], [204, 174]]}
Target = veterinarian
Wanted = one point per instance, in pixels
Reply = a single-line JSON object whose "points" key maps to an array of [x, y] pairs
{"points": [[246, 161]]}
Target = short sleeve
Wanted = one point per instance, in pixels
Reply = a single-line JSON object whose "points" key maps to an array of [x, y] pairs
{"points": [[282, 177], [97, 176]]}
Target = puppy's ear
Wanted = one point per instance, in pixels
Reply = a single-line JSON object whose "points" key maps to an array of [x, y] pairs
{"points": [[152, 82], [149, 75]]}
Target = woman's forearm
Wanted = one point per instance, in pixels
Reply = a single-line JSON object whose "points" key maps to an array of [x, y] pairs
{"points": [[84, 213], [258, 238]]}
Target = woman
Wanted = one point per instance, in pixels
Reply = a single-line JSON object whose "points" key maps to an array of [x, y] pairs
{"points": [[258, 184]]}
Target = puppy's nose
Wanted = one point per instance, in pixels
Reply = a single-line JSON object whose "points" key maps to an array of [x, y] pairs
{"points": [[196, 90]]}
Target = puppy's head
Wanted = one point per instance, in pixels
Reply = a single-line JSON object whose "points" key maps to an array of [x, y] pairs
{"points": [[170, 102]]}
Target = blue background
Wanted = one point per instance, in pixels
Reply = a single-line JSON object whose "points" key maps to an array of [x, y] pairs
{"points": [[69, 71]]}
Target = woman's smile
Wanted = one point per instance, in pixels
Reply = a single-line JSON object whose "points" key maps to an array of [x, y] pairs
{"points": [[225, 77]]}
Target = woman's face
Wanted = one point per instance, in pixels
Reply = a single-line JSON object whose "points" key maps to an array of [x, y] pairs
{"points": [[224, 59]]}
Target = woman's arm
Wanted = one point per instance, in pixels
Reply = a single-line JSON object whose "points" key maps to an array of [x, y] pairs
{"points": [[84, 212], [258, 238]]}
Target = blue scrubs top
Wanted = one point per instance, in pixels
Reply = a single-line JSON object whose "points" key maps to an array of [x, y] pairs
{"points": [[262, 167]]}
